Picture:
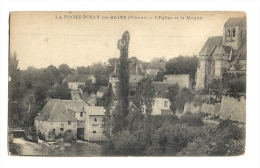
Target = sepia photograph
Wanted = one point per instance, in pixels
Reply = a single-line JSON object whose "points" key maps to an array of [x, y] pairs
{"points": [[127, 83]]}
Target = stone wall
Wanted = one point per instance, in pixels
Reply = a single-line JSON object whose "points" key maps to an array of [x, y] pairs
{"points": [[204, 108], [183, 80], [229, 108], [233, 108]]}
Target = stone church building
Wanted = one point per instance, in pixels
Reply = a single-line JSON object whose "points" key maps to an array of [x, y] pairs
{"points": [[222, 54]]}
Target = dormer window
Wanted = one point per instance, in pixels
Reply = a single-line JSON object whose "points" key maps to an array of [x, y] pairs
{"points": [[228, 33], [234, 32]]}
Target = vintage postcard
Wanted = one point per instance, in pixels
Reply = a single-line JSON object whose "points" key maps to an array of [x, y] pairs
{"points": [[157, 83]]}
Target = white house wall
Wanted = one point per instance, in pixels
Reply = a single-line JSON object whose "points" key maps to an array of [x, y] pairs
{"points": [[159, 105], [94, 126]]}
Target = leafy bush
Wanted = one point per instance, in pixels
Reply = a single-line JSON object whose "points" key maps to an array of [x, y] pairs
{"points": [[191, 119], [125, 143], [41, 136], [195, 148], [51, 136], [30, 135], [69, 136]]}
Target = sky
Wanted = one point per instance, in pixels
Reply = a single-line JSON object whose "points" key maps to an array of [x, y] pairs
{"points": [[41, 39]]}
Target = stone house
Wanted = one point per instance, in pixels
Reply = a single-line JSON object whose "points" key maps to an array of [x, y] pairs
{"points": [[222, 54], [161, 104], [136, 74], [75, 80], [58, 116], [94, 128], [156, 65], [183, 80]]}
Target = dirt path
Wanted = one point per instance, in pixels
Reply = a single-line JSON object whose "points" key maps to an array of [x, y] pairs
{"points": [[77, 149], [29, 148]]}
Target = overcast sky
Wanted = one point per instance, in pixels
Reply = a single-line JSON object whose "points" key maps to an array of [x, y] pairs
{"points": [[39, 39]]}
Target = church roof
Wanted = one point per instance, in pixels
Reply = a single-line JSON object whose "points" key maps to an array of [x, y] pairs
{"points": [[233, 21], [222, 50], [210, 45], [60, 110], [241, 52]]}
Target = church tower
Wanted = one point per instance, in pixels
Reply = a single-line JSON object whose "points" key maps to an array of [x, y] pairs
{"points": [[234, 32]]}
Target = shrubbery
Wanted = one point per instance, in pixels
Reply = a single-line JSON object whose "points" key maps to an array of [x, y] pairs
{"points": [[185, 136], [30, 135]]}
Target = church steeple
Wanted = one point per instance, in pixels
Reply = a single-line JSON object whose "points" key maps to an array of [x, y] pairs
{"points": [[234, 31]]}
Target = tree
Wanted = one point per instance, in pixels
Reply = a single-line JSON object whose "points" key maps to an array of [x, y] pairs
{"points": [[235, 84], [120, 122], [65, 69], [14, 74], [159, 76], [14, 91], [172, 95], [55, 72], [182, 65], [61, 91], [144, 98], [108, 100], [185, 95], [41, 91], [112, 62]]}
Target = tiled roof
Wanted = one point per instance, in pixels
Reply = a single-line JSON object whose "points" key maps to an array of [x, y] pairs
{"points": [[160, 89], [211, 43], [54, 108], [241, 52], [78, 77], [233, 21], [92, 101], [94, 110], [61, 116], [133, 67]]}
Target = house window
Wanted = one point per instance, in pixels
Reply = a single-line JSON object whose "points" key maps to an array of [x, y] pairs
{"points": [[241, 33], [228, 33], [69, 122], [95, 119], [165, 103], [81, 114], [234, 33], [94, 131], [53, 130], [61, 127], [157, 102]]}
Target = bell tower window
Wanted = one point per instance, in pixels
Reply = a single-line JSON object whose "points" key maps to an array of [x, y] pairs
{"points": [[234, 33]]}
